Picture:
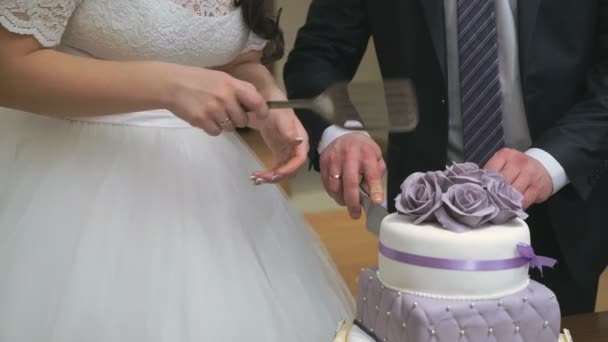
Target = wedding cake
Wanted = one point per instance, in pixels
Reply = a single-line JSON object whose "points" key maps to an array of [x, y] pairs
{"points": [[453, 266]]}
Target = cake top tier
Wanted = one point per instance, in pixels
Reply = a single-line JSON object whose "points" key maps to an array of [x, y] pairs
{"points": [[460, 198]]}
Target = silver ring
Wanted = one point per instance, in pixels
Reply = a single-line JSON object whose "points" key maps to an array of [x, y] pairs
{"points": [[335, 177], [225, 122]]}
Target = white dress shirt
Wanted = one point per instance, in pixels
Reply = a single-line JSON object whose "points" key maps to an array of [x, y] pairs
{"points": [[515, 126]]}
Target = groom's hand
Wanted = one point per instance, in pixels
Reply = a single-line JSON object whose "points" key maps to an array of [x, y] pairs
{"points": [[526, 174], [344, 161]]}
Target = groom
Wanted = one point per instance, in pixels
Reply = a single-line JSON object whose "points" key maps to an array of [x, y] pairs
{"points": [[520, 86]]}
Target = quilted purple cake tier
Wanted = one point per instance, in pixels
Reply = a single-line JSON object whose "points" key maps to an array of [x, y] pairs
{"points": [[530, 315]]}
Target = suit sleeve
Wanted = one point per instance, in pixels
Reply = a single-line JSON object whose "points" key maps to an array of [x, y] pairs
{"points": [[579, 140], [328, 48]]}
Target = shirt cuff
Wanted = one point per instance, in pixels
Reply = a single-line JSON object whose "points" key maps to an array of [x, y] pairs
{"points": [[333, 132], [553, 167]]}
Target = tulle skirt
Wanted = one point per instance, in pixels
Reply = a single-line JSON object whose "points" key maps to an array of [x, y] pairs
{"points": [[112, 233]]}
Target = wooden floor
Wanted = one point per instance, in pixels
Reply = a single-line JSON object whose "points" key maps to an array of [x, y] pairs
{"points": [[349, 244], [352, 248]]}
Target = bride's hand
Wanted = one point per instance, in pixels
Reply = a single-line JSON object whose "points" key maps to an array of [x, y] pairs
{"points": [[213, 100], [284, 134]]}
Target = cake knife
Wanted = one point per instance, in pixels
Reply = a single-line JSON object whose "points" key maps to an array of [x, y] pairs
{"points": [[386, 105], [374, 213]]}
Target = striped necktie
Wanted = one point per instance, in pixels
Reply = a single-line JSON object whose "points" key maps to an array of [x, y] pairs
{"points": [[480, 93]]}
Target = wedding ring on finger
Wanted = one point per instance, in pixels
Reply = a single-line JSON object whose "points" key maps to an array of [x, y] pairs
{"points": [[335, 177], [225, 122]]}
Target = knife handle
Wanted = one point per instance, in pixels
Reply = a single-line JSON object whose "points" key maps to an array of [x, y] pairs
{"points": [[298, 103], [363, 187], [364, 199]]}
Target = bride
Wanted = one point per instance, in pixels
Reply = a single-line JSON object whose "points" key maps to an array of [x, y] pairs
{"points": [[127, 209]]}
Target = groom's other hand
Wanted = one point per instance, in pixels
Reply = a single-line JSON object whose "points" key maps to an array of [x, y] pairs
{"points": [[342, 164], [525, 173]]}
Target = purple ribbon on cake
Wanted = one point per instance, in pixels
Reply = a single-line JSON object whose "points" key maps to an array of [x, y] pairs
{"points": [[536, 261], [527, 256]]}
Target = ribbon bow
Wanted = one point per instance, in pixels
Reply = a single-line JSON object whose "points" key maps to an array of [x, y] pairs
{"points": [[536, 261]]}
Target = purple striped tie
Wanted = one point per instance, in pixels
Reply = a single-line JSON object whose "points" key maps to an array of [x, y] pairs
{"points": [[480, 94]]}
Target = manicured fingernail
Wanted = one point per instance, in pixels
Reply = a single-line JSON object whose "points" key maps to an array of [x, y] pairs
{"points": [[276, 178], [259, 181], [377, 198], [253, 177]]}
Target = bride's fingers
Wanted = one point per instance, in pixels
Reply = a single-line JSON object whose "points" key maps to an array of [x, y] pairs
{"points": [[264, 176], [294, 157], [261, 177], [291, 159], [222, 120], [236, 113], [289, 142], [292, 165]]}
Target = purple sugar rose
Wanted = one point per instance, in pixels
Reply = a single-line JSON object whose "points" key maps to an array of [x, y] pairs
{"points": [[492, 176], [421, 195], [508, 200], [461, 198], [465, 173], [466, 206]]}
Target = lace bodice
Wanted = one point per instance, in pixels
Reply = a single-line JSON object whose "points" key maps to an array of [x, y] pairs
{"points": [[214, 8], [194, 32]]}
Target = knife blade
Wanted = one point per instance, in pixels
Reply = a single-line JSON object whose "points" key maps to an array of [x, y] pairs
{"points": [[374, 213], [382, 106]]}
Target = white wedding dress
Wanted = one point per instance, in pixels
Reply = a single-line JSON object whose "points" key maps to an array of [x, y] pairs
{"points": [[138, 227]]}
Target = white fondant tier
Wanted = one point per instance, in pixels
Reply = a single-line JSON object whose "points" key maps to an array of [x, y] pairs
{"points": [[493, 242]]}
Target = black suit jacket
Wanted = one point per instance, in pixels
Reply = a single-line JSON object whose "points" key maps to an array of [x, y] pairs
{"points": [[563, 52]]}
